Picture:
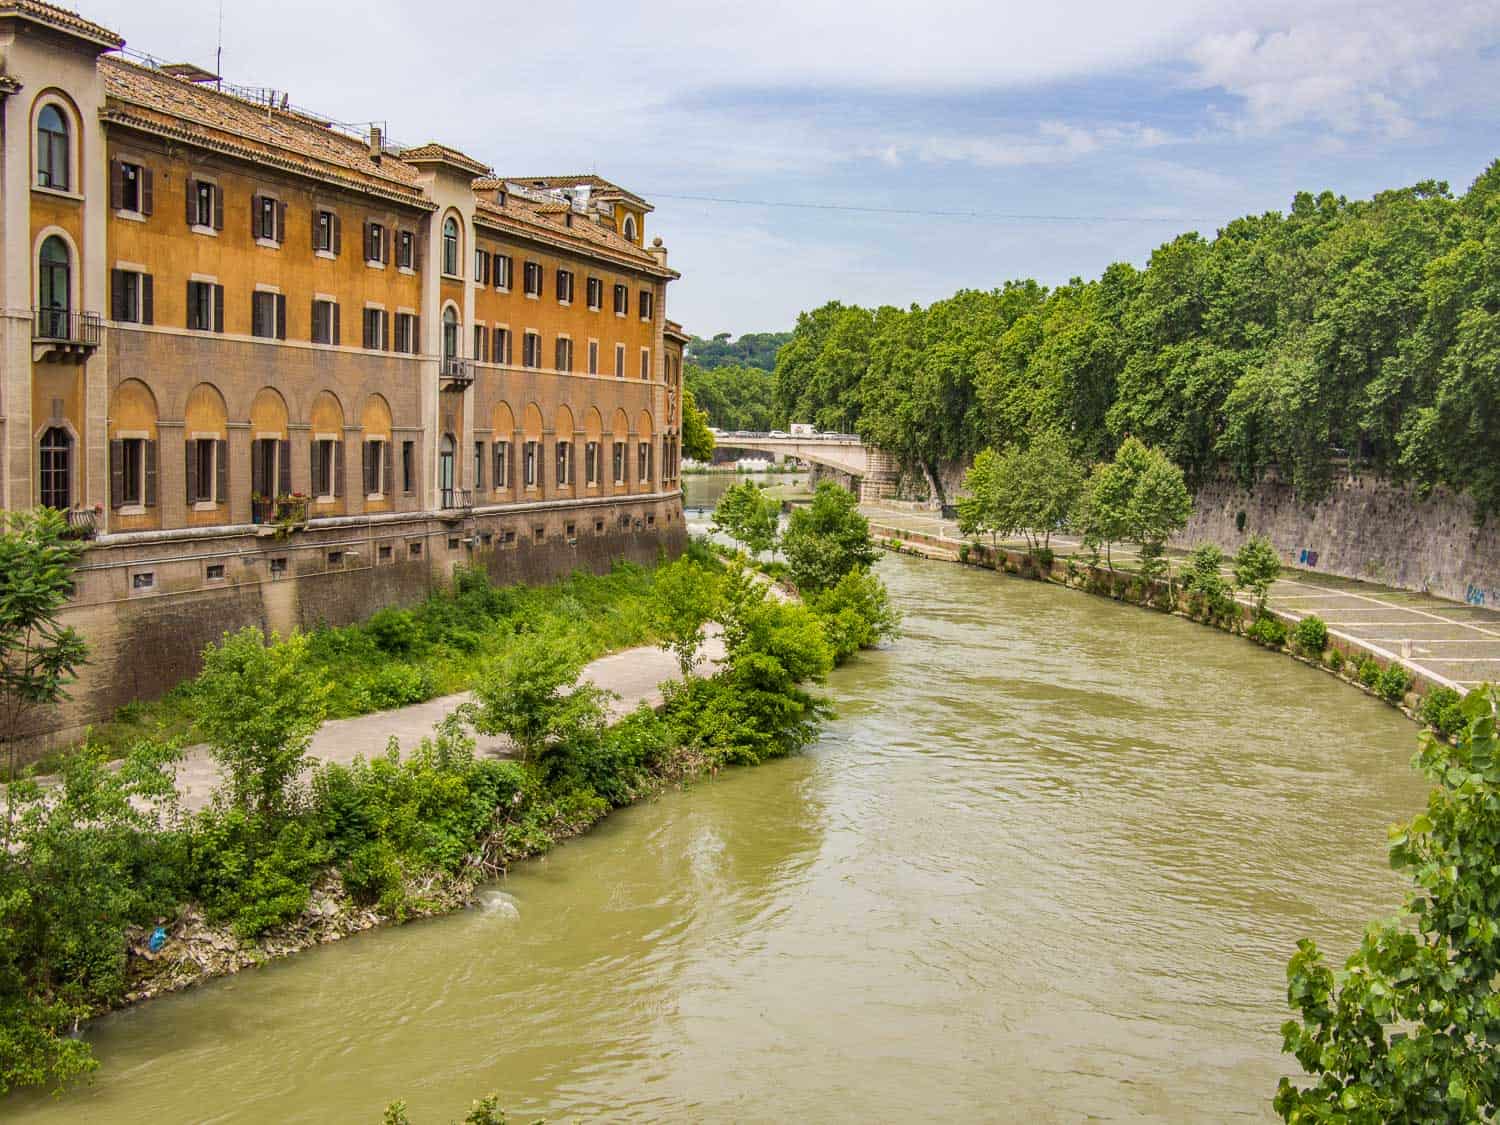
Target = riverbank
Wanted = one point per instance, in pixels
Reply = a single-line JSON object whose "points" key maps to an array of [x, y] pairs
{"points": [[1351, 656]]}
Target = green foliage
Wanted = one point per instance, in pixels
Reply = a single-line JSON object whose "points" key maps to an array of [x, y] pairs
{"points": [[752, 350], [685, 598], [253, 871], [733, 398], [394, 631], [1033, 489], [748, 514], [39, 656], [1267, 630], [1335, 660], [856, 613], [1407, 1030], [697, 440], [1256, 566], [827, 539], [259, 706], [1203, 581], [1368, 672], [1311, 635], [1393, 683], [1442, 710]]}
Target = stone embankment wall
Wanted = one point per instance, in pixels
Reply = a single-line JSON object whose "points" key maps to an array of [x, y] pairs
{"points": [[1364, 528], [148, 604]]}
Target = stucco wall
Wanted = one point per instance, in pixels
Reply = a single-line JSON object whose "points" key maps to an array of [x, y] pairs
{"points": [[1365, 528]]}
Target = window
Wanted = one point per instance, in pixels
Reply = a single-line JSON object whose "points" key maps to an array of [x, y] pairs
{"points": [[529, 465], [646, 302], [326, 234], [591, 463], [595, 289], [408, 466], [207, 470], [54, 288], [414, 550], [564, 354], [268, 315], [56, 468], [481, 267], [478, 465], [205, 306], [539, 533], [531, 350], [52, 148], [502, 345], [622, 300], [325, 458], [130, 187], [406, 333], [619, 361], [504, 267], [377, 243], [533, 279], [325, 322], [377, 324], [131, 299], [564, 287], [593, 357], [268, 218], [384, 553], [643, 462], [270, 476], [646, 363], [143, 580], [377, 453], [570, 530], [406, 250], [564, 463], [619, 460], [630, 228], [450, 247], [128, 471], [214, 572], [502, 464], [203, 205], [278, 566], [450, 333]]}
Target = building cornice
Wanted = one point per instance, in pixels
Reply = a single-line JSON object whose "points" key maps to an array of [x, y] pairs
{"points": [[505, 225]]}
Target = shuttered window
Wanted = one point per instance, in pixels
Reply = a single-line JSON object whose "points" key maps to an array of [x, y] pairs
{"points": [[132, 297], [595, 293], [533, 279]]}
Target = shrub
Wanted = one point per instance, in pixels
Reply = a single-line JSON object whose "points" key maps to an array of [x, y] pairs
{"points": [[856, 613], [372, 875], [394, 631], [1044, 558], [1256, 566], [1209, 596], [1441, 711], [1393, 683], [1368, 672], [254, 872], [1268, 630], [396, 685], [963, 552], [1311, 635], [826, 539], [1335, 659]]}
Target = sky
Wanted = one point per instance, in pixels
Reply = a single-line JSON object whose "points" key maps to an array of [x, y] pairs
{"points": [[799, 151]]}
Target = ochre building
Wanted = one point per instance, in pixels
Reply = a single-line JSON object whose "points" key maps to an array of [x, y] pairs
{"points": [[278, 372]]}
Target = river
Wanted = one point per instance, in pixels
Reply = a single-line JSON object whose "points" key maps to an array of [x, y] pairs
{"points": [[1048, 864]]}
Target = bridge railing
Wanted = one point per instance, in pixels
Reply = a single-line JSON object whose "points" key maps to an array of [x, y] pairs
{"points": [[763, 435]]}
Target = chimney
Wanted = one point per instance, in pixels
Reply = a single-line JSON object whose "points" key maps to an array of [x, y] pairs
{"points": [[659, 252], [377, 143]]}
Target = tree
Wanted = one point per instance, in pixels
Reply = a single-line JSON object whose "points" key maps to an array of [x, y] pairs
{"points": [[531, 693], [684, 599], [1203, 579], [258, 707], [827, 539], [1256, 566], [1038, 487], [697, 440], [1407, 1030], [980, 511], [856, 613], [1159, 506], [39, 656], [748, 515], [1103, 516]]}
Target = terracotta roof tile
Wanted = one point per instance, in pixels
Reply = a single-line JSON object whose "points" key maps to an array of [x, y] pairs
{"points": [[435, 153], [525, 217], [60, 18], [146, 98]]}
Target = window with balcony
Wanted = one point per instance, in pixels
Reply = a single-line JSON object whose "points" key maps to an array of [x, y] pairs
{"points": [[54, 288], [450, 333], [52, 152], [533, 279], [450, 247], [56, 468]]}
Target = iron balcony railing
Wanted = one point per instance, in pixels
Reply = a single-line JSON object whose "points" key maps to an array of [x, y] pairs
{"points": [[456, 499], [457, 372], [66, 327]]}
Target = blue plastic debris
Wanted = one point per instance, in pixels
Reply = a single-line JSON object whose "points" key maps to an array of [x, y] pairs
{"points": [[157, 939]]}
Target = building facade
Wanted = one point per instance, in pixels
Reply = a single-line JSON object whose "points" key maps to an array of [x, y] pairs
{"points": [[278, 372]]}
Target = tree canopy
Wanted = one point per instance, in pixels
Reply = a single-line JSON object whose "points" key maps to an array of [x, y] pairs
{"points": [[1359, 329], [753, 349], [733, 398]]}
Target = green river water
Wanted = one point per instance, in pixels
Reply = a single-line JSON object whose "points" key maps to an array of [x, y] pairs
{"points": [[1047, 865]]}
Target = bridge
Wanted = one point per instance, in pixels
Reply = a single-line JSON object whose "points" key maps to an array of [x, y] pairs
{"points": [[874, 471]]}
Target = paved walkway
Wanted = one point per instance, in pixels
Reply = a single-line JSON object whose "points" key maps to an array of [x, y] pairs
{"points": [[1448, 642], [635, 675]]}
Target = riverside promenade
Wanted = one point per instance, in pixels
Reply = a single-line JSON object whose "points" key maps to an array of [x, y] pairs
{"points": [[1447, 642]]}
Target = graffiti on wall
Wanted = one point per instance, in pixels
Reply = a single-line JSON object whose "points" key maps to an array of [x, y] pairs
{"points": [[1479, 595], [1307, 558]]}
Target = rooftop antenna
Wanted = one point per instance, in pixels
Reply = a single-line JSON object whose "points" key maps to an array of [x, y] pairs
{"points": [[219, 51]]}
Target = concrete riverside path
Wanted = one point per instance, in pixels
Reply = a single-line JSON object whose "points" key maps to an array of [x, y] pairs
{"points": [[635, 675]]}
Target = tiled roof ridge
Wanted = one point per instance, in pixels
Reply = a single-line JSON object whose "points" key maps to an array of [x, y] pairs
{"points": [[598, 239], [439, 151], [63, 18]]}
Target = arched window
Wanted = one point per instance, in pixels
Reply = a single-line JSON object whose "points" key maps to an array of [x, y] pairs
{"points": [[630, 227], [450, 246], [57, 468], [54, 289], [450, 333], [52, 148]]}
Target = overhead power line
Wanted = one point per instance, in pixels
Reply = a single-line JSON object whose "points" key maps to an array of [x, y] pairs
{"points": [[1000, 216]]}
